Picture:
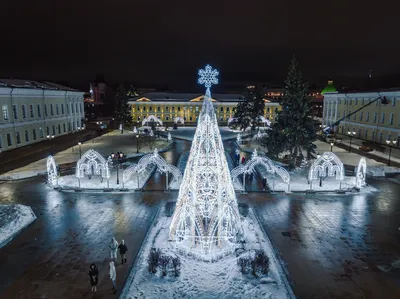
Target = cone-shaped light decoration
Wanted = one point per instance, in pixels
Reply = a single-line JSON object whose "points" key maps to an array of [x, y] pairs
{"points": [[206, 217]]}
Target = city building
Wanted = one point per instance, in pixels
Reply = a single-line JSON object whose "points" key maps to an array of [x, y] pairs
{"points": [[376, 122], [33, 111], [99, 102], [169, 106]]}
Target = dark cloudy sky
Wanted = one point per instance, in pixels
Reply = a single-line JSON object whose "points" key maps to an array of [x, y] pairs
{"points": [[164, 42]]}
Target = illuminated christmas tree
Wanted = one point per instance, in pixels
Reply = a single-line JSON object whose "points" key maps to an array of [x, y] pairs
{"points": [[206, 218]]}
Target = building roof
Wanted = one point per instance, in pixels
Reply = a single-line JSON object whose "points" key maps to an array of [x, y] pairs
{"points": [[30, 84], [184, 97], [329, 88]]}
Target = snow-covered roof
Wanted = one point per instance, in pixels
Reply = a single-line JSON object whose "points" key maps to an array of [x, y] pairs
{"points": [[31, 84], [184, 97]]}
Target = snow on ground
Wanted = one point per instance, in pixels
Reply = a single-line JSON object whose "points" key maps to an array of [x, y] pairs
{"points": [[10, 176], [199, 279], [14, 218], [71, 181]]}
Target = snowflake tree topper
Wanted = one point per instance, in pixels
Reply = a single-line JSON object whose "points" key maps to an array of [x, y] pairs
{"points": [[208, 76]]}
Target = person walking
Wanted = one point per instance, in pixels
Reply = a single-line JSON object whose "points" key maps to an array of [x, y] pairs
{"points": [[113, 276], [122, 251], [94, 277], [113, 249], [243, 159]]}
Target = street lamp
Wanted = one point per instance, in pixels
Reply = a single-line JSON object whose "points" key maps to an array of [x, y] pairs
{"points": [[80, 151], [50, 138], [332, 145], [137, 143], [351, 133], [390, 143], [117, 157]]}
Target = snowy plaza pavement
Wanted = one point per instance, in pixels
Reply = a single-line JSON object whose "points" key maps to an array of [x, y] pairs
{"points": [[13, 219], [200, 279]]}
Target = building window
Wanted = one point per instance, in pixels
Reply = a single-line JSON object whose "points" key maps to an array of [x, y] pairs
{"points": [[51, 109], [47, 131], [362, 102], [222, 109], [5, 112], [67, 108], [26, 136], [54, 130], [380, 136], [15, 111], [354, 116], [62, 109], [23, 108], [373, 135], [221, 118], [64, 128], [361, 115], [18, 137], [359, 133], [1, 143], [34, 134], [179, 108], [391, 118], [57, 111], [394, 102], [31, 111], [59, 129], [9, 140], [138, 118], [76, 108], [173, 108], [150, 108], [39, 113], [45, 110], [227, 109], [72, 108], [158, 108], [41, 132], [356, 101], [366, 134], [167, 108], [167, 118], [375, 116], [197, 109], [190, 118], [367, 118], [382, 118], [144, 108], [276, 110]]}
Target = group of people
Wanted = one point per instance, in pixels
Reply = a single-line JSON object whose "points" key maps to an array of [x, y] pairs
{"points": [[114, 248]]}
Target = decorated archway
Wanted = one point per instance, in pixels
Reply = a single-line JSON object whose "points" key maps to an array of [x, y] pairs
{"points": [[179, 120], [52, 173], [327, 165], [264, 161], [92, 163], [231, 120], [160, 163], [264, 120], [151, 118], [361, 173]]}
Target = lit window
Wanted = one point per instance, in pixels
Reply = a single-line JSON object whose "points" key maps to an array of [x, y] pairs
{"points": [[18, 137], [15, 112], [5, 112]]}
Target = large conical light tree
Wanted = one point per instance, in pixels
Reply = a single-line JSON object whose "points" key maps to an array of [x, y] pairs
{"points": [[294, 129], [206, 218]]}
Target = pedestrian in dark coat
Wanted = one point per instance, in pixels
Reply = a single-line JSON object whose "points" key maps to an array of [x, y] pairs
{"points": [[94, 277], [122, 251]]}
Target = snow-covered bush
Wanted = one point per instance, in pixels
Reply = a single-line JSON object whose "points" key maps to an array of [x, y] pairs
{"points": [[243, 209], [176, 266], [153, 260], [262, 262], [257, 263], [244, 264], [163, 262]]}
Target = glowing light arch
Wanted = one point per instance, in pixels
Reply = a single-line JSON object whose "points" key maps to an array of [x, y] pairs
{"points": [[92, 163], [361, 173], [151, 118], [328, 164], [179, 119], [52, 173]]}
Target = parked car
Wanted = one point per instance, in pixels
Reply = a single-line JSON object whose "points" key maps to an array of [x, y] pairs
{"points": [[365, 148]]}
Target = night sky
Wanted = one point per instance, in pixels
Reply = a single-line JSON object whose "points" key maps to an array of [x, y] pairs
{"points": [[165, 42]]}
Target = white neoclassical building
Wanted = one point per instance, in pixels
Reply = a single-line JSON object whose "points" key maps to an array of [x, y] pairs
{"points": [[34, 111]]}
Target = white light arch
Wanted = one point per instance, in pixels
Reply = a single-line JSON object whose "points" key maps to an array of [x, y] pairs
{"points": [[151, 118], [264, 120], [231, 119], [52, 173], [179, 119], [328, 164], [92, 163], [361, 173]]}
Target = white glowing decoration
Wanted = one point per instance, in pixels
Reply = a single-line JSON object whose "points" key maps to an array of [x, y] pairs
{"points": [[135, 130], [151, 133], [92, 163], [208, 77], [231, 120], [157, 160], [361, 173], [264, 161], [169, 138], [151, 118], [206, 218], [264, 120], [239, 138], [179, 119], [326, 165], [52, 174]]}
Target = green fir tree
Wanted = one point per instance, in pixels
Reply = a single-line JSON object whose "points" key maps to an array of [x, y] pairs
{"points": [[294, 129], [122, 109], [250, 108]]}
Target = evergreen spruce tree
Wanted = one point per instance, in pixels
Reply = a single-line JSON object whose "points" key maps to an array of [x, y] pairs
{"points": [[122, 110], [294, 130], [250, 108]]}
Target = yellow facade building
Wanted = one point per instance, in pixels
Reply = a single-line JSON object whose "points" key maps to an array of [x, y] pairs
{"points": [[174, 107], [376, 122]]}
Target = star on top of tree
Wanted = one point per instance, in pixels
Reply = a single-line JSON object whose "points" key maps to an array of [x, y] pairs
{"points": [[208, 76]]}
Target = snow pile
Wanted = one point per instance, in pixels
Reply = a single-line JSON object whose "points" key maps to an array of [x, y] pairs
{"points": [[71, 181], [381, 171], [10, 176], [199, 279], [14, 218]]}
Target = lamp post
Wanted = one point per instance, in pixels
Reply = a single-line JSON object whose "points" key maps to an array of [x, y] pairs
{"points": [[117, 157], [80, 151], [351, 133], [50, 138], [137, 143], [332, 145], [390, 143]]}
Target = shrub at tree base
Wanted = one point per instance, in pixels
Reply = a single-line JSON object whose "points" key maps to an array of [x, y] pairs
{"points": [[153, 259], [256, 263], [164, 262], [176, 266]]}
